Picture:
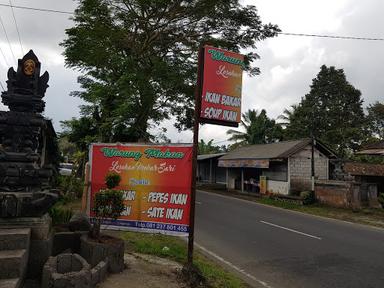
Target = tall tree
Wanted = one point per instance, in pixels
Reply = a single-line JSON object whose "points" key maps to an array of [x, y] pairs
{"points": [[332, 112], [139, 57], [259, 129], [375, 121]]}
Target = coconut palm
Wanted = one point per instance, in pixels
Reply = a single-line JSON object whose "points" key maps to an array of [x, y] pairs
{"points": [[259, 129]]}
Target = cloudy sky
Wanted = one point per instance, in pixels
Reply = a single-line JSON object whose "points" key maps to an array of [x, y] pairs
{"points": [[288, 63]]}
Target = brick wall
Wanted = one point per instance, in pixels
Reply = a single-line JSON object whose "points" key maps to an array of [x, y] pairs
{"points": [[338, 193], [300, 169]]}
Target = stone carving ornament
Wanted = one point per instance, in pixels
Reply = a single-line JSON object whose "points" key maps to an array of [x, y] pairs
{"points": [[26, 170]]}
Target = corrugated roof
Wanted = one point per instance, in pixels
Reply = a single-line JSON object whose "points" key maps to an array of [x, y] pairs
{"points": [[209, 156], [371, 152], [373, 149], [277, 150], [364, 169]]}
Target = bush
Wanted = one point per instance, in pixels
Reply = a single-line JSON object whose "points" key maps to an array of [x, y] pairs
{"points": [[308, 197], [112, 180], [70, 185], [60, 215], [109, 203]]}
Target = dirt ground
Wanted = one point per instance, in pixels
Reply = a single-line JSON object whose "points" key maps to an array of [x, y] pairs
{"points": [[146, 271]]}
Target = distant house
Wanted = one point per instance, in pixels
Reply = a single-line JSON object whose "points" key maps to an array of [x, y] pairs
{"points": [[373, 149], [208, 170], [286, 166]]}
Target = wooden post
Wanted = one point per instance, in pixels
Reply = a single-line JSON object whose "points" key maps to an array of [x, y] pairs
{"points": [[210, 171], [84, 198], [194, 156]]}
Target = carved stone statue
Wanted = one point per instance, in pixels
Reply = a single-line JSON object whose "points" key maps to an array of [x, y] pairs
{"points": [[27, 143]]}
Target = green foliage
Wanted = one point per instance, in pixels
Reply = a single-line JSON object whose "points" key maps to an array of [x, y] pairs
{"points": [[332, 110], [381, 199], [81, 132], [112, 180], [259, 129], [375, 121], [139, 59], [67, 148], [60, 214], [208, 148], [70, 186], [308, 197], [108, 204]]}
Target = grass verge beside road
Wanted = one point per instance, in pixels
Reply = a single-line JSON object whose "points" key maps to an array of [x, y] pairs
{"points": [[176, 249], [366, 216]]}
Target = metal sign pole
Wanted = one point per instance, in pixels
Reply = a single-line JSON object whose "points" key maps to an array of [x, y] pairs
{"points": [[194, 156]]}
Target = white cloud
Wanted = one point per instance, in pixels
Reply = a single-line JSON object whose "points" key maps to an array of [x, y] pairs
{"points": [[288, 63]]}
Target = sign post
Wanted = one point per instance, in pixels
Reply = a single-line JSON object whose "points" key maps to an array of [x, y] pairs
{"points": [[194, 156], [217, 101]]}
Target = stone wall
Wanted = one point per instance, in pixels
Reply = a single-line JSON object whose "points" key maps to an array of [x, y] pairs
{"points": [[300, 169], [338, 193]]}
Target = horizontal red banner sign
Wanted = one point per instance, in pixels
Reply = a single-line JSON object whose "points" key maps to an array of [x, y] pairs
{"points": [[221, 88], [156, 182]]}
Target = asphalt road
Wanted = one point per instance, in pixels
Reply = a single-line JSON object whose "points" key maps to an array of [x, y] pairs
{"points": [[277, 248]]}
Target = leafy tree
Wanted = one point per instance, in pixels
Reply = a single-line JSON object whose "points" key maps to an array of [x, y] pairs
{"points": [[332, 111], [208, 148], [375, 121], [139, 57], [81, 132], [259, 129]]}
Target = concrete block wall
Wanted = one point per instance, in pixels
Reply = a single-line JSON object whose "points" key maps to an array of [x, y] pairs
{"points": [[277, 187], [338, 193], [300, 169]]}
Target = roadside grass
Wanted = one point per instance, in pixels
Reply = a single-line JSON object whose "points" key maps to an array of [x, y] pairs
{"points": [[366, 216], [175, 249]]}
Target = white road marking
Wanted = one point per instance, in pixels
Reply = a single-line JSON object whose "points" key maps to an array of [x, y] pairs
{"points": [[232, 266], [197, 202], [291, 230]]}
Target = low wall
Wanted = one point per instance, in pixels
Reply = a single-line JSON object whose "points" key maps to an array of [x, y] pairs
{"points": [[338, 193], [277, 187]]}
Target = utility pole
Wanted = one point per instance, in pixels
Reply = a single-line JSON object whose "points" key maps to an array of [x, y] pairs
{"points": [[313, 143]]}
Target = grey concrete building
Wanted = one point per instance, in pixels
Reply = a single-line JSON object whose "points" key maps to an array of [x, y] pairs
{"points": [[281, 167], [208, 170]]}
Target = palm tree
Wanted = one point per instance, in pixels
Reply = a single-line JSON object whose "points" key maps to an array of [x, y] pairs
{"points": [[287, 115], [259, 129]]}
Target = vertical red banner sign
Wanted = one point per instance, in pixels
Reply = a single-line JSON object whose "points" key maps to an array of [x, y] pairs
{"points": [[156, 182], [221, 88]]}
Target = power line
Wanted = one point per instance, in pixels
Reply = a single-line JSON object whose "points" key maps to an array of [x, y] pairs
{"points": [[5, 59], [6, 36], [17, 28], [37, 9], [331, 36], [281, 33]]}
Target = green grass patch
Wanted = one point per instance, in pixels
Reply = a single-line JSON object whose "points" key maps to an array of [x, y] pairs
{"points": [[175, 249]]}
